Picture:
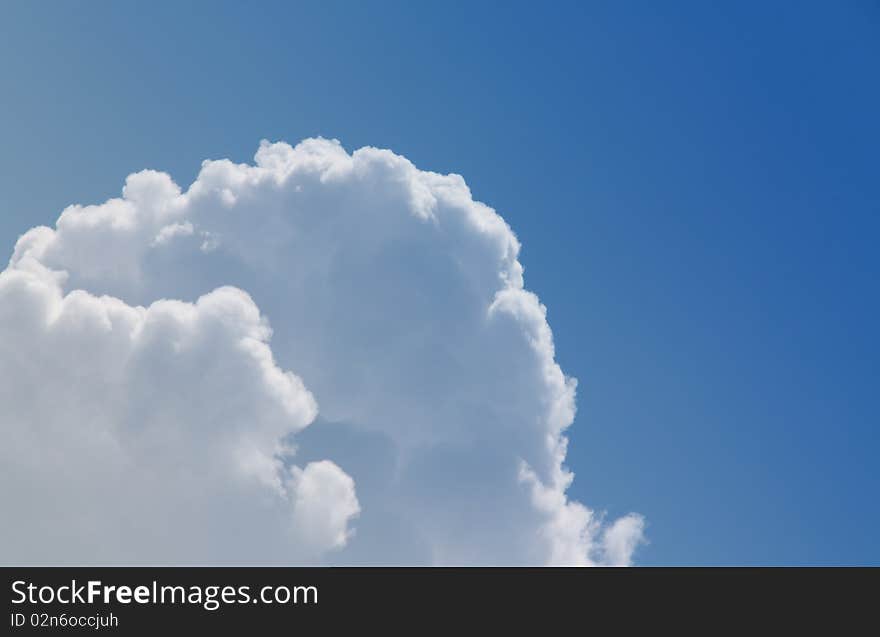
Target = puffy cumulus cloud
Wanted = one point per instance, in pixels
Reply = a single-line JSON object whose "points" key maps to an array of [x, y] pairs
{"points": [[154, 434], [395, 297]]}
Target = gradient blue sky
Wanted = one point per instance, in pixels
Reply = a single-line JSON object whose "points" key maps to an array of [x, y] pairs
{"points": [[696, 190]]}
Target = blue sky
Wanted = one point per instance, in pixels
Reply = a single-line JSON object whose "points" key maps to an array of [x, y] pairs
{"points": [[695, 189]]}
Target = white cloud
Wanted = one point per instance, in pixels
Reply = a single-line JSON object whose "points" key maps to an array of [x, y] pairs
{"points": [[622, 537], [394, 296], [172, 230]]}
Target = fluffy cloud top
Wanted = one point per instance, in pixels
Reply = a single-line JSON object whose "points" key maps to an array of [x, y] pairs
{"points": [[148, 429]]}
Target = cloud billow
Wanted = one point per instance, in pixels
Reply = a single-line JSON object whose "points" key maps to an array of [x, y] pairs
{"points": [[169, 352]]}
